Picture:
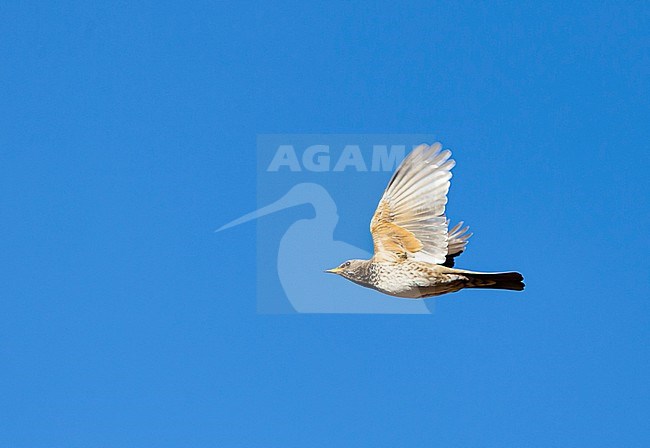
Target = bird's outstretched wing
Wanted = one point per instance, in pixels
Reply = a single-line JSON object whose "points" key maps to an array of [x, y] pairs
{"points": [[410, 219]]}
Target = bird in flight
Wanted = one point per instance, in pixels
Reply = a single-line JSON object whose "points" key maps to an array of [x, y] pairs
{"points": [[414, 247]]}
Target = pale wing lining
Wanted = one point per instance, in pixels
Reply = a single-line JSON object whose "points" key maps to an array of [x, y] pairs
{"points": [[410, 219]]}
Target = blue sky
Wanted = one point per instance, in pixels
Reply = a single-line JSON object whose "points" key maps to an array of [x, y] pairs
{"points": [[129, 135]]}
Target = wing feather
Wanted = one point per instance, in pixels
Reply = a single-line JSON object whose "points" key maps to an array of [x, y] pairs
{"points": [[410, 219], [456, 242]]}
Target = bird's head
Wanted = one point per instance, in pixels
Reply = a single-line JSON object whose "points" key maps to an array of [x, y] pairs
{"points": [[355, 270]]}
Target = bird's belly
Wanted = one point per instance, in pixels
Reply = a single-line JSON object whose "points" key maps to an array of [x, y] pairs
{"points": [[416, 281]]}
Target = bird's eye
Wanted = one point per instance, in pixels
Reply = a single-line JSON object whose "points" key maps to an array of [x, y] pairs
{"points": [[346, 264]]}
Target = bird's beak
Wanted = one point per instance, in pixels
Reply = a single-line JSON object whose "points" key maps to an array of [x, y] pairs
{"points": [[278, 205], [334, 271]]}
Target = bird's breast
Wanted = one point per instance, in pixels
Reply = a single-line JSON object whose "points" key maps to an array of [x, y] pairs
{"points": [[403, 278]]}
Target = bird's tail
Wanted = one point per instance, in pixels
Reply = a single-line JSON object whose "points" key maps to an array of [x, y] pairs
{"points": [[498, 280]]}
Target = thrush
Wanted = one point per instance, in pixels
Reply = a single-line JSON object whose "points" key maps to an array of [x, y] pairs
{"points": [[414, 247]]}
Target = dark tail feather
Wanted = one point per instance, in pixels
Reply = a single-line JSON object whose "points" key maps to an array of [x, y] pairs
{"points": [[503, 280]]}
